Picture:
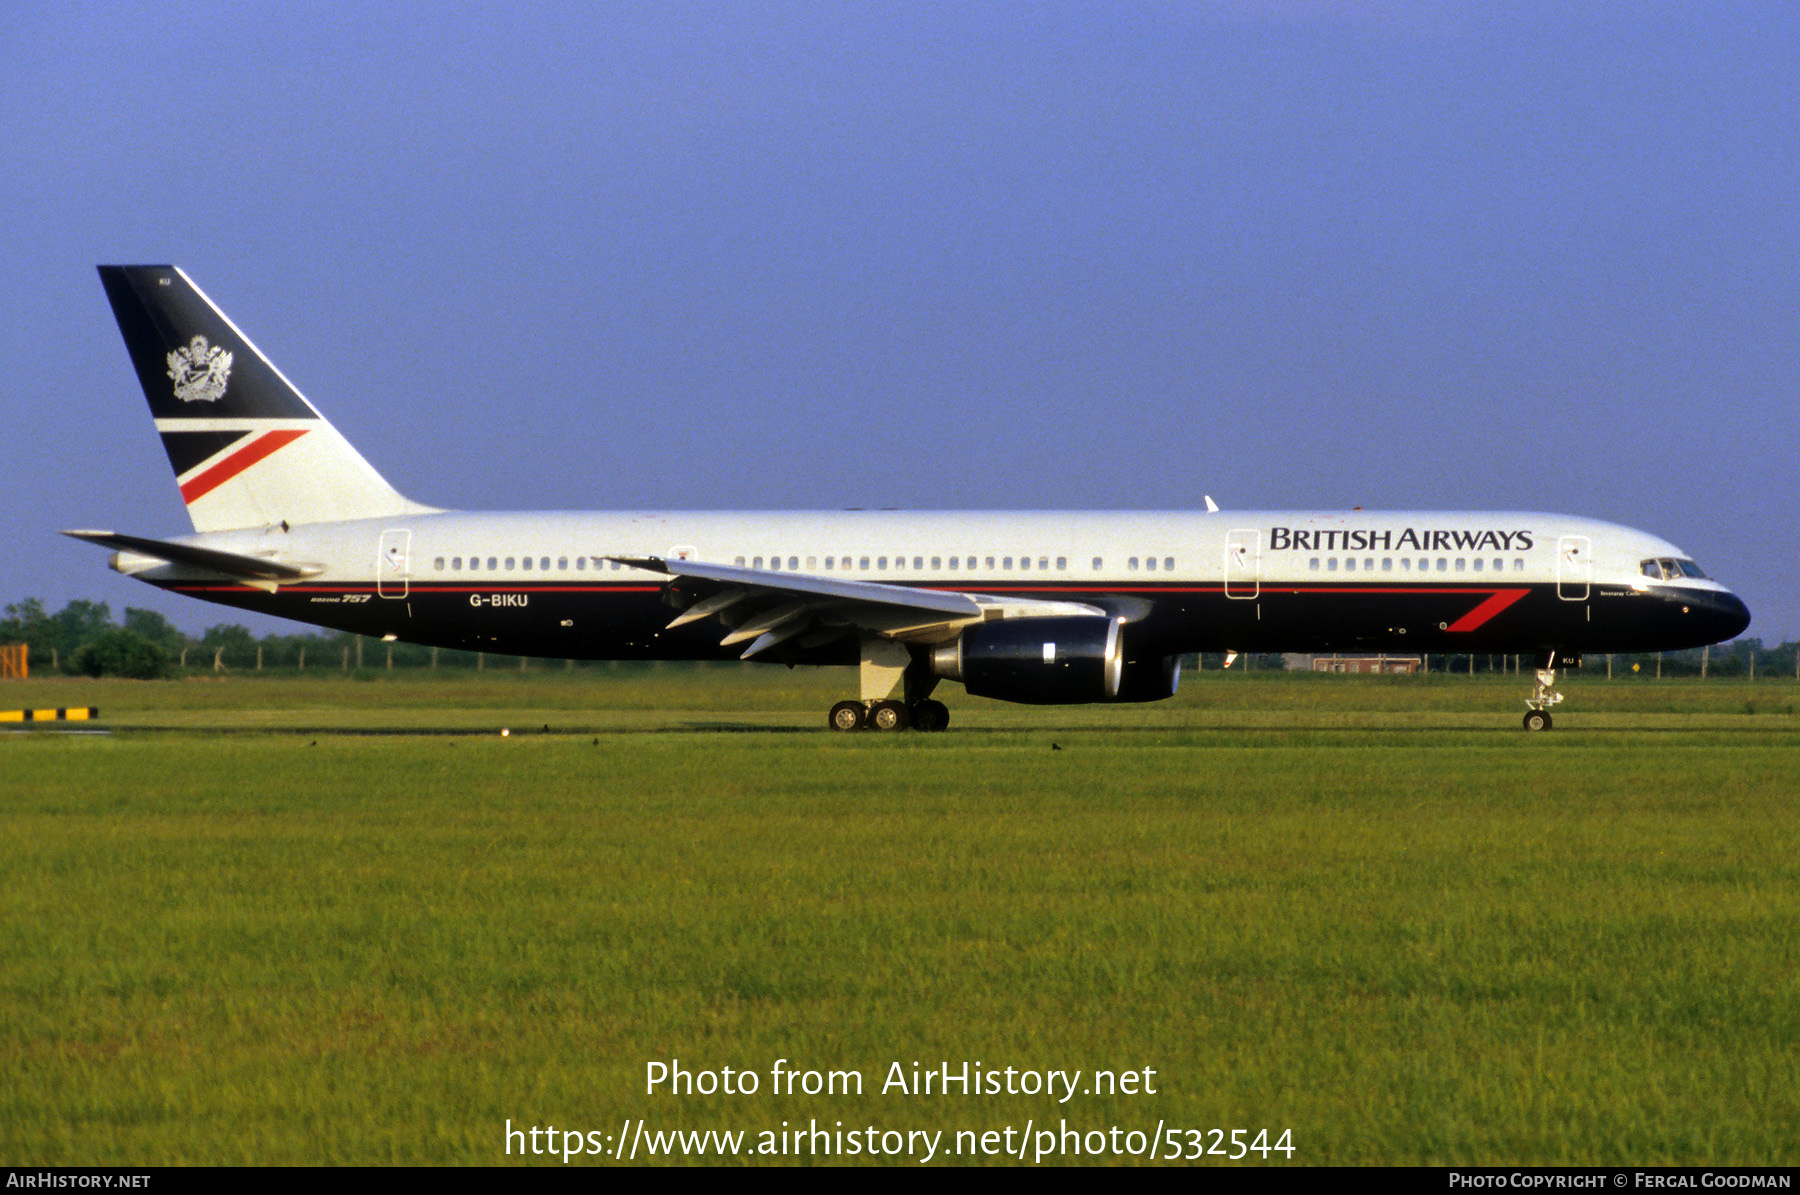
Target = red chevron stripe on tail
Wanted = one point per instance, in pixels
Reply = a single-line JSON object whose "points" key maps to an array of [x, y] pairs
{"points": [[257, 449]]}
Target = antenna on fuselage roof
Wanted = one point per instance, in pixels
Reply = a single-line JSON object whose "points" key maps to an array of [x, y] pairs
{"points": [[1212, 508]]}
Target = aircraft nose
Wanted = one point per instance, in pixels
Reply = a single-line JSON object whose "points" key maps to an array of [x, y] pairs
{"points": [[1724, 615]]}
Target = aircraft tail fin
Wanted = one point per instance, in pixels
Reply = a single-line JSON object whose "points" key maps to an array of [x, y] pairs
{"points": [[248, 450]]}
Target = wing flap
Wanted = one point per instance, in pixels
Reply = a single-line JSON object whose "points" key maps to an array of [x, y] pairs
{"points": [[822, 608]]}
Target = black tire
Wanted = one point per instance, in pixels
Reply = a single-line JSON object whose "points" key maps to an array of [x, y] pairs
{"points": [[888, 715], [1537, 720], [930, 716], [847, 715]]}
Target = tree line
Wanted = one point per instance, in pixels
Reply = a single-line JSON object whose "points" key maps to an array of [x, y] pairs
{"points": [[83, 639]]}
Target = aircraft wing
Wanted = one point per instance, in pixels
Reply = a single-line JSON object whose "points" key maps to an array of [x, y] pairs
{"points": [[769, 607]]}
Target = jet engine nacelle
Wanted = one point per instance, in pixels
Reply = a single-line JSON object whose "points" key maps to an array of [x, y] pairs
{"points": [[1038, 661], [1152, 678]]}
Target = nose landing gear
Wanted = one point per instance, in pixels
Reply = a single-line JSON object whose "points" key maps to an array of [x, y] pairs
{"points": [[1544, 696]]}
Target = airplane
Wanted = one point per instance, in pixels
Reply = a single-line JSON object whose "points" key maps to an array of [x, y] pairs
{"points": [[1062, 607]]}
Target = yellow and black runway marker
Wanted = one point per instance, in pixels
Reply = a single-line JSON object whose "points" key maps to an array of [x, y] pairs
{"points": [[76, 713]]}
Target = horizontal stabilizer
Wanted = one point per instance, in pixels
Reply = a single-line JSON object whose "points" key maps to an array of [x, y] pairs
{"points": [[232, 564]]}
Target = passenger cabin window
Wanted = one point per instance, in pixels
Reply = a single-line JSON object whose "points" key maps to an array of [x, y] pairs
{"points": [[1062, 563], [1096, 564], [1168, 564], [438, 564]]}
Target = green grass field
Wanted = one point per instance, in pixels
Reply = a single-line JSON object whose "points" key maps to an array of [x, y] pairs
{"points": [[327, 920]]}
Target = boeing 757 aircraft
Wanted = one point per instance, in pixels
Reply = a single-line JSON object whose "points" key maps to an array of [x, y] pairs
{"points": [[1039, 607]]}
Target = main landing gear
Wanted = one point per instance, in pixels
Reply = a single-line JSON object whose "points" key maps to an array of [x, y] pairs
{"points": [[889, 715], [896, 688], [1544, 696]]}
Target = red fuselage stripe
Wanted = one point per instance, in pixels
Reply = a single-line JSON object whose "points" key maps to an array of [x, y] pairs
{"points": [[265, 444], [1487, 610]]}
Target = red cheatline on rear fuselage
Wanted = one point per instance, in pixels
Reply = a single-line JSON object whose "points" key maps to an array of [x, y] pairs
{"points": [[265, 444]]}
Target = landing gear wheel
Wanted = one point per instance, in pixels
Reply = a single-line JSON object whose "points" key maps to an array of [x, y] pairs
{"points": [[887, 715], [930, 716], [1537, 720], [846, 715]]}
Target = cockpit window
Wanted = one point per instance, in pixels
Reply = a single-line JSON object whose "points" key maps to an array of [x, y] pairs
{"points": [[1668, 568]]}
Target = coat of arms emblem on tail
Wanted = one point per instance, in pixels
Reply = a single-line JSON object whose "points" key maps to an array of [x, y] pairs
{"points": [[200, 371]]}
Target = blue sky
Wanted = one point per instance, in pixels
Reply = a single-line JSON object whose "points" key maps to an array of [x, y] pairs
{"points": [[1291, 254]]}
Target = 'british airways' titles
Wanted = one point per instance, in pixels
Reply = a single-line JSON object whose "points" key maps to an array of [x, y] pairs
{"points": [[1364, 540]]}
